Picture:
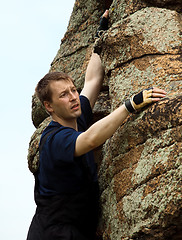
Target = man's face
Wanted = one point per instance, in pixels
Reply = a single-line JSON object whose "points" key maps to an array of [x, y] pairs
{"points": [[65, 103]]}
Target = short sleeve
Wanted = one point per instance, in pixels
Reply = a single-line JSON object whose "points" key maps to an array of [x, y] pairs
{"points": [[86, 109], [62, 145]]}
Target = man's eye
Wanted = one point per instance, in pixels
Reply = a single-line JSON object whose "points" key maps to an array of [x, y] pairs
{"points": [[63, 95]]}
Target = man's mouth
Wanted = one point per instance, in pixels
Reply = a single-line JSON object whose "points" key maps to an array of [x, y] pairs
{"points": [[75, 106]]}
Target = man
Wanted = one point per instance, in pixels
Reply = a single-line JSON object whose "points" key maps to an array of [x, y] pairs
{"points": [[66, 187]]}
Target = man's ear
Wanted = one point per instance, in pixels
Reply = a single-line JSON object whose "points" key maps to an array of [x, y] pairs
{"points": [[48, 106]]}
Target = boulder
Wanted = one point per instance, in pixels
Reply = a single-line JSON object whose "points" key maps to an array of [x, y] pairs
{"points": [[140, 166]]}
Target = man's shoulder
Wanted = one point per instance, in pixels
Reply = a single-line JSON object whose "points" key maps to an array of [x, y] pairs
{"points": [[51, 127], [86, 118], [84, 100], [86, 108]]}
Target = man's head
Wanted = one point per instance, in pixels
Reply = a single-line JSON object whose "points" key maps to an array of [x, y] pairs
{"points": [[43, 90], [58, 94]]}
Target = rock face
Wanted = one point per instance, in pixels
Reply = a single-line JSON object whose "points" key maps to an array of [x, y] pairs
{"points": [[140, 166]]}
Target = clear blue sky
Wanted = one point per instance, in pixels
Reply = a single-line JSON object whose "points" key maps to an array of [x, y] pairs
{"points": [[31, 33]]}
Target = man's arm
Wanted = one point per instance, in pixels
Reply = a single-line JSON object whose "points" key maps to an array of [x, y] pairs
{"points": [[93, 79], [100, 131], [95, 73]]}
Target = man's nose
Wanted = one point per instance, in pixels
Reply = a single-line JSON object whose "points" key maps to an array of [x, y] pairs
{"points": [[72, 96]]}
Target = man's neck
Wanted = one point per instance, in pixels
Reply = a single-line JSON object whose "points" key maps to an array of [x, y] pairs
{"points": [[72, 123]]}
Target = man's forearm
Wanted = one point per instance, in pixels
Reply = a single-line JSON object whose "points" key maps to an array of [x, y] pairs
{"points": [[100, 131], [95, 69], [93, 79]]}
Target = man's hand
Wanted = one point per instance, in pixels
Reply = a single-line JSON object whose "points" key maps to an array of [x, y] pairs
{"points": [[103, 24], [144, 98]]}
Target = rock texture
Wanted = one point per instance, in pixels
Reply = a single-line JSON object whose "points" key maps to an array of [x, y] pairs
{"points": [[140, 166]]}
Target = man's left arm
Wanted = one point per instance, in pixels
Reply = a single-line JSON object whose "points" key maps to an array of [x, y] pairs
{"points": [[95, 72], [93, 79]]}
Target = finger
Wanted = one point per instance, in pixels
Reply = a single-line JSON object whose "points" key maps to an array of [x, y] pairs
{"points": [[148, 101], [106, 14], [147, 94], [155, 99], [158, 95], [158, 90]]}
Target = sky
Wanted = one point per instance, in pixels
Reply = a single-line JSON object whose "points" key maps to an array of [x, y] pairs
{"points": [[30, 36]]}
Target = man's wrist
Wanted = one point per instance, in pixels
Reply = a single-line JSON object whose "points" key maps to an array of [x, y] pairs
{"points": [[129, 107]]}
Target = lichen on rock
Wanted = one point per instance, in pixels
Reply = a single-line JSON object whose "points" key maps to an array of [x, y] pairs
{"points": [[140, 165]]}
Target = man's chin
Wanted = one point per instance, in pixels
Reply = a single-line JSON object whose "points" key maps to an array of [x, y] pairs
{"points": [[79, 113]]}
